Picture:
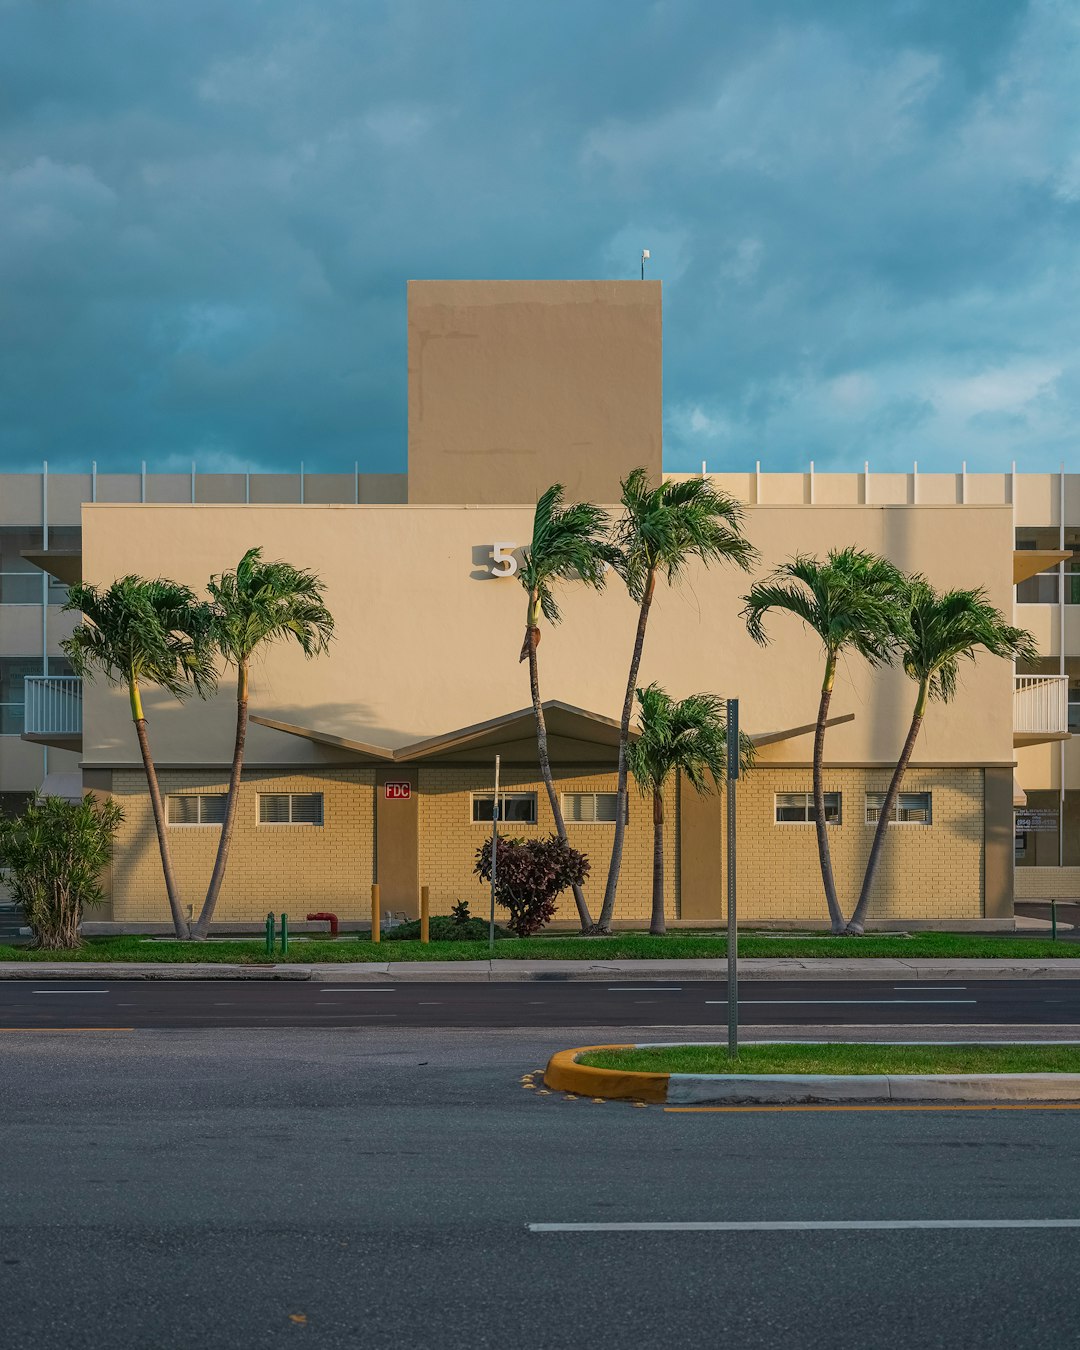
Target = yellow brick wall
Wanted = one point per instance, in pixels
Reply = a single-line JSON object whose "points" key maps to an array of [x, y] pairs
{"points": [[449, 840], [925, 872], [1047, 883], [295, 868]]}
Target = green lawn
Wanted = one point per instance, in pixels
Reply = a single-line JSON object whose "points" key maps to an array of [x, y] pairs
{"points": [[623, 946], [843, 1059]]}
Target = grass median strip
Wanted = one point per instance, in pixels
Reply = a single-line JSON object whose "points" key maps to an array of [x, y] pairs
{"points": [[563, 947], [840, 1059]]}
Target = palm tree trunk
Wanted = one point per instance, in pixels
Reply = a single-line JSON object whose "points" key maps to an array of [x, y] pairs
{"points": [[658, 927], [603, 924], [532, 638], [180, 923], [836, 917], [858, 919], [201, 929]]}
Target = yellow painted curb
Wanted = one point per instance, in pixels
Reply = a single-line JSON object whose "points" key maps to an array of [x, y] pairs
{"points": [[565, 1074]]}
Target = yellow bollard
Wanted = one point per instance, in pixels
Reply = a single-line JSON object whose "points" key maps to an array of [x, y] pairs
{"points": [[375, 921], [425, 896]]}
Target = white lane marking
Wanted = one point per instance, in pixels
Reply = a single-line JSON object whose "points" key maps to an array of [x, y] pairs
{"points": [[798, 1226], [857, 1002], [928, 988], [72, 991], [644, 988], [432, 1005], [357, 991]]}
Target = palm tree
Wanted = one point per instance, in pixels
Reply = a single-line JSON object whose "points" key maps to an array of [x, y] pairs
{"points": [[850, 602], [138, 632], [660, 531], [688, 736], [259, 603], [936, 632], [568, 544]]}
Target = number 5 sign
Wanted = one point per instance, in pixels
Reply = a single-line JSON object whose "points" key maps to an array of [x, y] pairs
{"points": [[502, 555]]}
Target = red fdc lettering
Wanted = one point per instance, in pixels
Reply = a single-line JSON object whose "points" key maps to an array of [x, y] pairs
{"points": [[398, 792]]}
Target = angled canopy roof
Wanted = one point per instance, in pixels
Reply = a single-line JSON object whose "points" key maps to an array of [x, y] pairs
{"points": [[571, 731], [325, 738]]}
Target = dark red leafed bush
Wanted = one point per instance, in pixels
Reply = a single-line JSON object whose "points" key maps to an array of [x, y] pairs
{"points": [[530, 875]]}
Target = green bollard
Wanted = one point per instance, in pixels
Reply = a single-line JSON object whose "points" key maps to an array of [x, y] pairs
{"points": [[270, 935], [284, 933]]}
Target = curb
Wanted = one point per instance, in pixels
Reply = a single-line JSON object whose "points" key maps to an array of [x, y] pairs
{"points": [[558, 972], [119, 970], [565, 1074]]}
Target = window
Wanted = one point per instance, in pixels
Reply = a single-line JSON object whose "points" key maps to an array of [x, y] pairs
{"points": [[515, 808], [589, 808], [797, 808], [13, 804], [290, 808], [912, 808], [205, 808]]}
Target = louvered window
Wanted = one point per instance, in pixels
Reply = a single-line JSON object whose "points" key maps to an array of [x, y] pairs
{"points": [[290, 808]]}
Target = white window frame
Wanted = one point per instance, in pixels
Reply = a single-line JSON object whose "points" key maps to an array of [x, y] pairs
{"points": [[290, 824], [895, 820], [809, 802], [199, 824], [474, 797], [595, 821]]}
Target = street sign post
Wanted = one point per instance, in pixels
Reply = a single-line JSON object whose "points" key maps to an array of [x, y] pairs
{"points": [[494, 857], [732, 930]]}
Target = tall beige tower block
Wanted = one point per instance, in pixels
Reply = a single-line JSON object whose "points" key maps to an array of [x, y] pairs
{"points": [[514, 385]]}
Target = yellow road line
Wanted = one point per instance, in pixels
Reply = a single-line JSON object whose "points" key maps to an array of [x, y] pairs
{"points": [[893, 1106]]}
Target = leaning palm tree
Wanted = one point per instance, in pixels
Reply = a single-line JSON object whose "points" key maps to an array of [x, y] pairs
{"points": [[850, 602], [259, 603], [936, 632], [568, 544], [135, 633], [661, 529], [687, 736]]}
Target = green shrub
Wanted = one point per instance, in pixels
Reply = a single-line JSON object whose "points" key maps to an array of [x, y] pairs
{"points": [[457, 926], [55, 853]]}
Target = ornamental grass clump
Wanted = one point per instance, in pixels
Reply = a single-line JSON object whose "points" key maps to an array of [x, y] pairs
{"points": [[530, 876], [54, 854]]}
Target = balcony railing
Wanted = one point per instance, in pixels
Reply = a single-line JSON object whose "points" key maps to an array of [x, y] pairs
{"points": [[1041, 705], [53, 705]]}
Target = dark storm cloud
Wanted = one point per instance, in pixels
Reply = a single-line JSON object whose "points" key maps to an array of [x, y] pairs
{"points": [[865, 216]]}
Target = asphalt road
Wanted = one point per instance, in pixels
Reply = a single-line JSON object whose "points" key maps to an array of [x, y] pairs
{"points": [[322, 1188], [217, 1003]]}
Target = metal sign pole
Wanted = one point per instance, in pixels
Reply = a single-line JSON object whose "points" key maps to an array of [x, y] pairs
{"points": [[494, 857], [732, 930]]}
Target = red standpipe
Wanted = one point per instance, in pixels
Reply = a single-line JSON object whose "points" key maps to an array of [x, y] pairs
{"points": [[331, 917]]}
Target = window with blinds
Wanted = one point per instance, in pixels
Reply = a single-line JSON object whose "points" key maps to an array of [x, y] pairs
{"points": [[912, 808], [797, 808], [589, 808], [290, 808], [514, 807], [204, 808]]}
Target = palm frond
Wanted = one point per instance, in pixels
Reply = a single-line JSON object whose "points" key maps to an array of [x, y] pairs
{"points": [[687, 736], [569, 543], [265, 602], [663, 528], [942, 629]]}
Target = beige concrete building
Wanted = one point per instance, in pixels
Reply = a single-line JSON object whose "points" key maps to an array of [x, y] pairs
{"points": [[376, 762]]}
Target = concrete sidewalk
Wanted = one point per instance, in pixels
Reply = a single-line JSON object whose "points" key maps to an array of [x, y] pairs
{"points": [[390, 972]]}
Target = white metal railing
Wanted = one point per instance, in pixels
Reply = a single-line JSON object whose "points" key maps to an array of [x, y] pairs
{"points": [[1041, 703], [53, 705]]}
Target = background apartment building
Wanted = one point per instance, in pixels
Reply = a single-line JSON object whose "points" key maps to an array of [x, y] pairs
{"points": [[548, 348]]}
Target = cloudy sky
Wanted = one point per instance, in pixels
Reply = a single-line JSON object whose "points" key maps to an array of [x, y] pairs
{"points": [[866, 215]]}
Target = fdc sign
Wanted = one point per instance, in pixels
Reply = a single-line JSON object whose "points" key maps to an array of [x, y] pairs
{"points": [[398, 792]]}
